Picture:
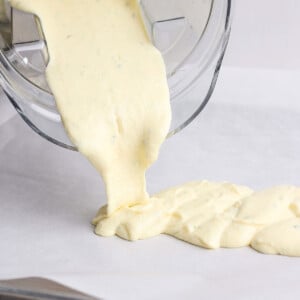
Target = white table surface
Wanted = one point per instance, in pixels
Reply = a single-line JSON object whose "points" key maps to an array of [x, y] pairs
{"points": [[248, 134]]}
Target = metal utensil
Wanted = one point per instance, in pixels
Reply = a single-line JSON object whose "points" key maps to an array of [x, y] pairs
{"points": [[38, 289]]}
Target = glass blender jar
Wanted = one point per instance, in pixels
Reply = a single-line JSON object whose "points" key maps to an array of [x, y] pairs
{"points": [[192, 36]]}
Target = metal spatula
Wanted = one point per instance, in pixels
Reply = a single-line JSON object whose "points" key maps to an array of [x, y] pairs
{"points": [[38, 289]]}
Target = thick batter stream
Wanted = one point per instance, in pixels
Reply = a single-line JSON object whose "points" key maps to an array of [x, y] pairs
{"points": [[110, 86]]}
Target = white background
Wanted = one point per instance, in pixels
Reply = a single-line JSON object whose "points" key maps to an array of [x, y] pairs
{"points": [[265, 34]]}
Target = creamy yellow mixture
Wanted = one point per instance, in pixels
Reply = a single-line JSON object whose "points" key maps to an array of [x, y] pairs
{"points": [[110, 86]]}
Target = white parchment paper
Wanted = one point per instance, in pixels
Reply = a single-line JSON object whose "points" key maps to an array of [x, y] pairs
{"points": [[248, 134]]}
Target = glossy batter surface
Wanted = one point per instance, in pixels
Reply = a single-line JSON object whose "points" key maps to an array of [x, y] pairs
{"points": [[214, 215], [111, 89]]}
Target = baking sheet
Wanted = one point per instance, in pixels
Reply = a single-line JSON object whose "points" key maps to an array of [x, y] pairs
{"points": [[248, 134]]}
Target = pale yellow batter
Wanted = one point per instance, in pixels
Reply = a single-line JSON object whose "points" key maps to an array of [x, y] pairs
{"points": [[111, 89]]}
